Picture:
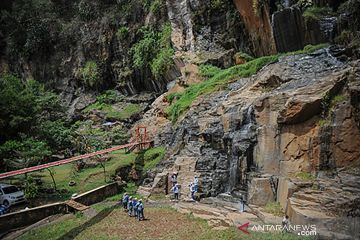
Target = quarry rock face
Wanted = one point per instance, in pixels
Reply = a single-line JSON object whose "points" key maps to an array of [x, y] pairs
{"points": [[259, 26], [290, 134]]}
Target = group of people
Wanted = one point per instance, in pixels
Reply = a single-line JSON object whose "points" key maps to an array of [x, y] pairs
{"points": [[134, 207], [194, 187]]}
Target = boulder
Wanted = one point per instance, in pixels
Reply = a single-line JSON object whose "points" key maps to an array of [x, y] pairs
{"points": [[260, 192]]}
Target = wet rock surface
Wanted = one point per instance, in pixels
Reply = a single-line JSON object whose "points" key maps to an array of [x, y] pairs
{"points": [[257, 141]]}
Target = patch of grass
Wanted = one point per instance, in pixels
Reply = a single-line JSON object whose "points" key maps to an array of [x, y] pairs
{"points": [[122, 33], [54, 229], [337, 99], [323, 122], [305, 176], [244, 56], [213, 84], [224, 77], [111, 113], [152, 157], [87, 178], [208, 71], [173, 96], [164, 223], [316, 12], [126, 113], [90, 73], [274, 208]]}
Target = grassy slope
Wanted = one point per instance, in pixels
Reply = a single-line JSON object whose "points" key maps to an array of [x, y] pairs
{"points": [[111, 113], [152, 157], [163, 223], [88, 178], [222, 78]]}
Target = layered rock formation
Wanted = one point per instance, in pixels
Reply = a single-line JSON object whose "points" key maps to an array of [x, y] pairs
{"points": [[289, 134]]}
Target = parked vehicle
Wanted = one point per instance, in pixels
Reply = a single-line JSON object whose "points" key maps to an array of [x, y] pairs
{"points": [[10, 195]]}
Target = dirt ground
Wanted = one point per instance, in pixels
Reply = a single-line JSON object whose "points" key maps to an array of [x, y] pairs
{"points": [[160, 223]]}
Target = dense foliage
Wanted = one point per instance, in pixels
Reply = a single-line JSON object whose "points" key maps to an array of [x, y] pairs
{"points": [[90, 74], [154, 51], [32, 123]]}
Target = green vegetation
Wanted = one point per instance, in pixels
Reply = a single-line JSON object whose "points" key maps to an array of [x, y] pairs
{"points": [[55, 229], [208, 71], [274, 208], [173, 96], [224, 77], [122, 33], [316, 12], [213, 84], [109, 97], [28, 129], [154, 51], [305, 176], [152, 157], [244, 56], [90, 73], [217, 4], [113, 114], [327, 104], [87, 178], [31, 189]]}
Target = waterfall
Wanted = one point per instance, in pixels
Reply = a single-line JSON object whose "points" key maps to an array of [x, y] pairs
{"points": [[242, 147]]}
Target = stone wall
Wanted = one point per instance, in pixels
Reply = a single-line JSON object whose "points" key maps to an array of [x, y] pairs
{"points": [[99, 194], [26, 217]]}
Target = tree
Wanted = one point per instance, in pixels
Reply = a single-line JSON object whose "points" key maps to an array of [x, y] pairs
{"points": [[52, 173]]}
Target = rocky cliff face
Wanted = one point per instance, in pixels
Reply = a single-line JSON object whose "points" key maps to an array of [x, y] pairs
{"points": [[52, 41], [289, 134]]}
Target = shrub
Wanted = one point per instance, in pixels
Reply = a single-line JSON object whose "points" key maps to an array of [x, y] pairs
{"points": [[156, 6], [90, 73], [109, 97], [217, 4], [244, 56], [316, 12], [152, 157], [208, 71], [31, 190], [122, 33], [154, 51]]}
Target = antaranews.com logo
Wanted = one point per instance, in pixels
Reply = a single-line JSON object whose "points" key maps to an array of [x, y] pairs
{"points": [[301, 230]]}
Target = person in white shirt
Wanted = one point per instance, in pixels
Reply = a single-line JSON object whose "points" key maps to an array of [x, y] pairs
{"points": [[175, 190], [196, 184]]}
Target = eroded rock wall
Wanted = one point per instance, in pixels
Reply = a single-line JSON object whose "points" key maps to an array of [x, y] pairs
{"points": [[290, 134]]}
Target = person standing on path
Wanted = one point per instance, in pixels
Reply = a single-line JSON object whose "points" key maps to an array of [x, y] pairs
{"points": [[140, 210], [175, 190], [125, 201], [130, 206], [135, 205], [242, 204], [174, 179], [192, 191], [196, 184]]}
